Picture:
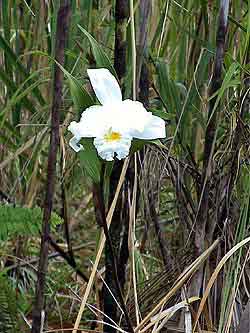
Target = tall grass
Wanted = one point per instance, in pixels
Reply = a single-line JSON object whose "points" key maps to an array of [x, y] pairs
{"points": [[180, 224]]}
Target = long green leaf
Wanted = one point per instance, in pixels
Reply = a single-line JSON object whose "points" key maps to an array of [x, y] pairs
{"points": [[18, 65], [100, 56]]}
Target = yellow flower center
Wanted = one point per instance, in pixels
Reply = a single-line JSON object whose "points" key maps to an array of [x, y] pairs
{"points": [[112, 136]]}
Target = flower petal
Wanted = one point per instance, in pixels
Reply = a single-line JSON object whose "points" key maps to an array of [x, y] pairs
{"points": [[105, 85], [155, 129], [74, 143], [92, 123], [108, 150], [134, 115]]}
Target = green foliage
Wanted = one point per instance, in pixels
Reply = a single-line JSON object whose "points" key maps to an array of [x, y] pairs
{"points": [[8, 307], [90, 161], [22, 221], [102, 60], [79, 94], [234, 268]]}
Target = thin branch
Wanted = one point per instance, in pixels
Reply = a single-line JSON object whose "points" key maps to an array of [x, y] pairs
{"points": [[68, 258], [35, 260]]}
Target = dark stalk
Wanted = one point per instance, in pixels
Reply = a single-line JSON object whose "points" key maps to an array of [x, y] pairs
{"points": [[121, 17], [99, 202], [69, 255], [110, 307], [216, 83], [142, 70], [61, 38], [210, 136], [65, 213]]}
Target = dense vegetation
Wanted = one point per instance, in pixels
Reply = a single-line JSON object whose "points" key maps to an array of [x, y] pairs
{"points": [[175, 214]]}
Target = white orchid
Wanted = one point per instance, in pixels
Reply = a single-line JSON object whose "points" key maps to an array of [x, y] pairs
{"points": [[115, 123]]}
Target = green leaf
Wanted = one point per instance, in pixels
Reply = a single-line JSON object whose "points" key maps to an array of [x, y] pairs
{"points": [[101, 58], [136, 145], [228, 82], [90, 161], [163, 114], [14, 60], [21, 93], [80, 96], [169, 91], [106, 180]]}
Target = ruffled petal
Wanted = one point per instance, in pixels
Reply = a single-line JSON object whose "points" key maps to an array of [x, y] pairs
{"points": [[93, 122], [154, 129], [134, 116], [109, 150], [105, 85]]}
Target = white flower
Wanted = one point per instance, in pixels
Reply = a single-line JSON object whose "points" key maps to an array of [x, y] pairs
{"points": [[115, 123]]}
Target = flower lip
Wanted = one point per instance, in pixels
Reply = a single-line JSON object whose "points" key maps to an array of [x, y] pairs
{"points": [[115, 123], [111, 136]]}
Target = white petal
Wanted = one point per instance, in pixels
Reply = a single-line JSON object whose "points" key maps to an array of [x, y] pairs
{"points": [[105, 85], [93, 121], [134, 115], [74, 143], [155, 129], [108, 150], [91, 124]]}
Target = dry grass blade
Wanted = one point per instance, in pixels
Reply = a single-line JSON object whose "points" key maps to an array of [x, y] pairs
{"points": [[24, 147], [173, 308], [188, 320], [215, 274], [182, 279], [132, 240], [228, 324], [165, 315]]}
